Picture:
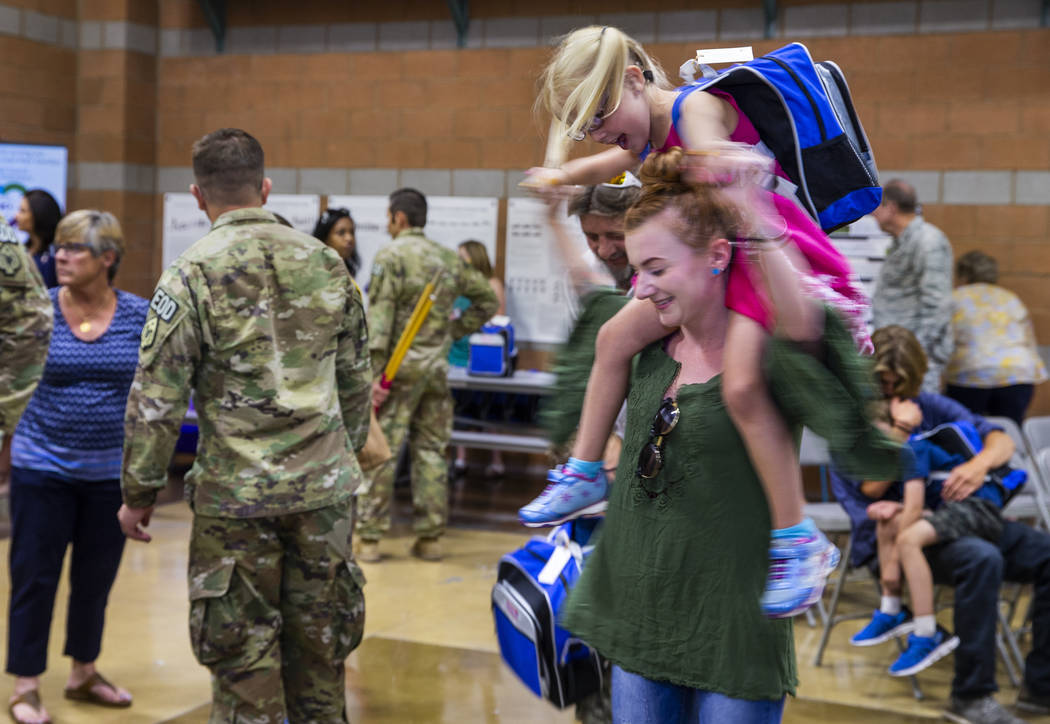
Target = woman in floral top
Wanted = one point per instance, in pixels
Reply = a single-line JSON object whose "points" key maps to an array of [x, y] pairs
{"points": [[996, 364]]}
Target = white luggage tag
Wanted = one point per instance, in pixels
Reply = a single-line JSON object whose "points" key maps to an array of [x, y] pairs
{"points": [[706, 58], [565, 550]]}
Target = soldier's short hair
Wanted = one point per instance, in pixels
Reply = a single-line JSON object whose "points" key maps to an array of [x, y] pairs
{"points": [[976, 267], [228, 165], [413, 203], [901, 193], [99, 230]]}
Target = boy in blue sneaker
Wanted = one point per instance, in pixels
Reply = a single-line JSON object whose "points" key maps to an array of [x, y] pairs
{"points": [[902, 531]]}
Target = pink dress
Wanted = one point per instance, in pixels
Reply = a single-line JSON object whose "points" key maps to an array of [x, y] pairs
{"points": [[830, 279]]}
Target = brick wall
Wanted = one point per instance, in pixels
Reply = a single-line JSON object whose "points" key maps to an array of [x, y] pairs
{"points": [[954, 94]]}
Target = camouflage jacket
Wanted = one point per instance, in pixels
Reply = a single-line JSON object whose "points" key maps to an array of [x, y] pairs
{"points": [[26, 316], [399, 273], [265, 326], [914, 288]]}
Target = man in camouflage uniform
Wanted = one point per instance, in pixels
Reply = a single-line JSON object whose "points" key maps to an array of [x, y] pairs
{"points": [[25, 332], [914, 287], [265, 326], [419, 403]]}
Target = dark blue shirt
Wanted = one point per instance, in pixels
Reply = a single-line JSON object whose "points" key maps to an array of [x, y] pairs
{"points": [[936, 410], [74, 424]]}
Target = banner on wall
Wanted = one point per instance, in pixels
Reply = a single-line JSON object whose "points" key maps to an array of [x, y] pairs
{"points": [[185, 224], [450, 221], [25, 166], [539, 295]]}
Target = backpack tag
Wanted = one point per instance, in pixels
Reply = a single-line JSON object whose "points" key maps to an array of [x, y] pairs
{"points": [[724, 55]]}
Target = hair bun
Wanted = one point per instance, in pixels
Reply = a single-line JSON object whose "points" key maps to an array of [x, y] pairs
{"points": [[663, 169]]}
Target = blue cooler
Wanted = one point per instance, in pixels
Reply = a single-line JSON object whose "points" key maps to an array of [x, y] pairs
{"points": [[492, 350]]}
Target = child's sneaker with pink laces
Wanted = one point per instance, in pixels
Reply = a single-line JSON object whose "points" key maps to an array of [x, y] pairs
{"points": [[798, 568], [568, 495]]}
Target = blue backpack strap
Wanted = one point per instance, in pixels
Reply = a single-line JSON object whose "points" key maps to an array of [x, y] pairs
{"points": [[676, 108], [676, 112]]}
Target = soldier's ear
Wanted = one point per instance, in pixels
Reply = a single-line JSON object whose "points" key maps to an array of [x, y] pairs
{"points": [[199, 195], [267, 187]]}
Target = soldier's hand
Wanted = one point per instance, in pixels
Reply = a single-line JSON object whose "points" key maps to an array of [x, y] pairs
{"points": [[379, 394], [133, 522]]}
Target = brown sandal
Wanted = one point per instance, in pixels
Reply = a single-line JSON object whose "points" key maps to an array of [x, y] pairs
{"points": [[85, 693], [31, 699]]}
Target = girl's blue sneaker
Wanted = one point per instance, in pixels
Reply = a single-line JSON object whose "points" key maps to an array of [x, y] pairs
{"points": [[568, 495]]}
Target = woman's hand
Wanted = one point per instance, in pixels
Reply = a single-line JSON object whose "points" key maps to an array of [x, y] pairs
{"points": [[744, 177]]}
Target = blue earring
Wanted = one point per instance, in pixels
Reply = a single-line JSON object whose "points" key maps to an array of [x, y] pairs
{"points": [[716, 271]]}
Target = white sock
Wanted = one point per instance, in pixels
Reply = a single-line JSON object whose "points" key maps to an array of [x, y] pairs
{"points": [[890, 605], [925, 626]]}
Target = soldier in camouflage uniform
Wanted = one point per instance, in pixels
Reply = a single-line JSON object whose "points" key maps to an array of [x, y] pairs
{"points": [[25, 332], [419, 404], [265, 326]]}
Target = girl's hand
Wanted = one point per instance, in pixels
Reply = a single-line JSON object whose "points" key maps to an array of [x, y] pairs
{"points": [[545, 182]]}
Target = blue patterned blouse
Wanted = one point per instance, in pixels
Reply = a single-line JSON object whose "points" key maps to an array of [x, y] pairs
{"points": [[74, 424]]}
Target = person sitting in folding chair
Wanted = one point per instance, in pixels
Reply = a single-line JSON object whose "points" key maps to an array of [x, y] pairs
{"points": [[902, 530], [974, 567]]}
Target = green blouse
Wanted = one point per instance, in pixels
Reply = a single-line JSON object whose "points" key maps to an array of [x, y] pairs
{"points": [[672, 589]]}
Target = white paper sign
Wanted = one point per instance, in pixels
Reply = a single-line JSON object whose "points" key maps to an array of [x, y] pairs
{"points": [[27, 166], [451, 220], [539, 294], [185, 224]]}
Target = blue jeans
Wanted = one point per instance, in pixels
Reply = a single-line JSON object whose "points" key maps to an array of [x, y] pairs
{"points": [[976, 569], [638, 700]]}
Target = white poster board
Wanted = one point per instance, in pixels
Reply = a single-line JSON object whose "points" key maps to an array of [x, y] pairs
{"points": [[539, 294], [185, 224], [26, 166], [450, 221]]}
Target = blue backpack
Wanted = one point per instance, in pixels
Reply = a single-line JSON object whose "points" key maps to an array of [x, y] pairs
{"points": [[804, 114], [532, 584]]}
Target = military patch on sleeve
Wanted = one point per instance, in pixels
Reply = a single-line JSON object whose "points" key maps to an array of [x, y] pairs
{"points": [[164, 305], [149, 333], [7, 234], [10, 262]]}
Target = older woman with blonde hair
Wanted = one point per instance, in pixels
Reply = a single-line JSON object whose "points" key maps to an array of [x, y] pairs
{"points": [[65, 467], [995, 365]]}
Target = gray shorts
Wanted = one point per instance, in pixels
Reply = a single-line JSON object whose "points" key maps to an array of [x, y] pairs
{"points": [[971, 516]]}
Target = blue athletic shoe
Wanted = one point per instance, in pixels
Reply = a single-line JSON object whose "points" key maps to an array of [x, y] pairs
{"points": [[923, 651], [883, 627], [568, 495], [798, 569]]}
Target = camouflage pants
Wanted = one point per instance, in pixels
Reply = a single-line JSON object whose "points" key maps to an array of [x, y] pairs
{"points": [[276, 605], [422, 411]]}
